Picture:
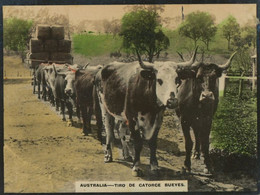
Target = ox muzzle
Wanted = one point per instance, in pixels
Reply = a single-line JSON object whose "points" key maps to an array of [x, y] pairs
{"points": [[207, 96], [172, 103]]}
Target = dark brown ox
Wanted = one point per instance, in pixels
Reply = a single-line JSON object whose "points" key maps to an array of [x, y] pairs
{"points": [[128, 92], [84, 85], [198, 100]]}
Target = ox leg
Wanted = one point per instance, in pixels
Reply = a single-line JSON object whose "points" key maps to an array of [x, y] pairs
{"points": [[78, 111], [52, 98], [109, 126], [196, 128], [99, 125], [89, 114], [204, 137], [98, 115], [57, 104], [69, 107], [62, 104], [125, 144], [138, 145], [153, 147], [43, 92], [34, 82], [83, 109], [39, 90], [188, 144]]}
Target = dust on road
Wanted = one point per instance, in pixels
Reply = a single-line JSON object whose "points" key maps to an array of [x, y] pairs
{"points": [[42, 154]]}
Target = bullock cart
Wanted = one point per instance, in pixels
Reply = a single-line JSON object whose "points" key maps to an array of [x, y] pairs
{"points": [[48, 46]]}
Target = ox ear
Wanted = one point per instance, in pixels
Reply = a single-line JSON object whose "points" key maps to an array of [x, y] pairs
{"points": [[148, 74], [107, 72]]}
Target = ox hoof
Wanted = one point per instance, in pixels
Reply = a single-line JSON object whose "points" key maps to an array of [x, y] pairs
{"points": [[63, 119], [128, 159], [108, 158], [137, 173], [196, 156], [207, 172], [69, 124], [155, 170], [186, 170]]}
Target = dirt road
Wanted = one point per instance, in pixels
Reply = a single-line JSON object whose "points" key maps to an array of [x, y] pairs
{"points": [[42, 154]]}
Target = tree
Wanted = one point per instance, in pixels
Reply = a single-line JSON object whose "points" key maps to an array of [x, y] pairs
{"points": [[198, 26], [142, 33], [249, 35], [16, 35], [230, 29]]}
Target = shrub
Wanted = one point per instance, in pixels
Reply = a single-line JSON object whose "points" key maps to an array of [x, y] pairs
{"points": [[234, 128]]}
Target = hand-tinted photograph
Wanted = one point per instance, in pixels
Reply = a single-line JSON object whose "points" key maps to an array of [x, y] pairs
{"points": [[130, 98]]}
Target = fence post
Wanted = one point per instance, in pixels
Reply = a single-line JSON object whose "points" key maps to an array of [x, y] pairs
{"points": [[222, 85]]}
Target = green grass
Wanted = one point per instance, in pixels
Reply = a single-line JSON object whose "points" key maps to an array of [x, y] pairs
{"points": [[218, 45], [95, 45]]}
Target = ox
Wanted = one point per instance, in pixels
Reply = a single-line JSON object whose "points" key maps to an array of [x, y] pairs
{"points": [[198, 101], [50, 76], [128, 92], [64, 90], [87, 102], [41, 81], [84, 86]]}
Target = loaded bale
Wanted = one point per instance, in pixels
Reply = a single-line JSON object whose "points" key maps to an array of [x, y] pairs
{"points": [[43, 56], [39, 57], [43, 32], [64, 46], [33, 64], [36, 46], [51, 45], [61, 57], [57, 32]]}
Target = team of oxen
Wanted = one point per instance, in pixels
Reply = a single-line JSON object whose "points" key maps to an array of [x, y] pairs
{"points": [[135, 96]]}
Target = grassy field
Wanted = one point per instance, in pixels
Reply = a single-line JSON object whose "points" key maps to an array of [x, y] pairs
{"points": [[13, 67], [95, 45]]}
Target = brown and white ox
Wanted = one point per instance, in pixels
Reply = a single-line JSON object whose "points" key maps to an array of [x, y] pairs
{"points": [[198, 96], [137, 94]]}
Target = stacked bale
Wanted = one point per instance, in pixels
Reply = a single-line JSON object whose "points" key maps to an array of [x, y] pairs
{"points": [[49, 46]]}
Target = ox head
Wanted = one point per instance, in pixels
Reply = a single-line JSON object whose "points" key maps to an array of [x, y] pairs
{"points": [[70, 79], [166, 88], [206, 75]]}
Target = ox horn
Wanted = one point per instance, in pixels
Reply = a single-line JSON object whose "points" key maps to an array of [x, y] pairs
{"points": [[54, 68], [228, 63], [195, 64], [191, 61], [141, 62], [181, 56], [85, 66]]}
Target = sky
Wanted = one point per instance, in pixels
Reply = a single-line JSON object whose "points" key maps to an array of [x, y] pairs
{"points": [[77, 13]]}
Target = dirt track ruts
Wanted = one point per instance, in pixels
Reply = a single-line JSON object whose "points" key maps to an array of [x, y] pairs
{"points": [[42, 154]]}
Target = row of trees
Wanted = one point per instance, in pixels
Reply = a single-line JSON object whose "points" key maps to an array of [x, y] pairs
{"points": [[141, 29]]}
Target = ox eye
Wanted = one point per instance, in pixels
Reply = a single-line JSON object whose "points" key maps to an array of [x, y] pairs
{"points": [[160, 81]]}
